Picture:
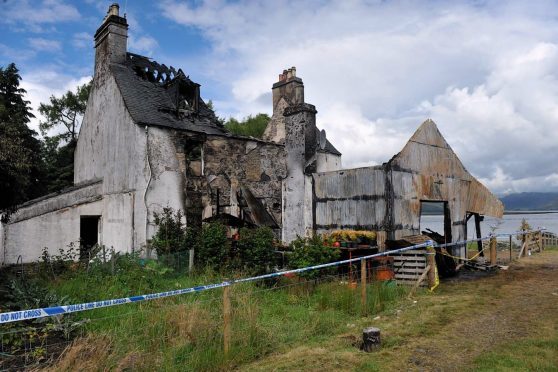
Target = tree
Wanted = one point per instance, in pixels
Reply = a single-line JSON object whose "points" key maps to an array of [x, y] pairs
{"points": [[253, 126], [66, 112], [20, 162]]}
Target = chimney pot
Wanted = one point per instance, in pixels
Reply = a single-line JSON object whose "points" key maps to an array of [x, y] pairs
{"points": [[113, 9]]}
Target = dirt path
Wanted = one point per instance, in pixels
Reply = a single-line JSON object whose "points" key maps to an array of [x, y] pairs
{"points": [[448, 330]]}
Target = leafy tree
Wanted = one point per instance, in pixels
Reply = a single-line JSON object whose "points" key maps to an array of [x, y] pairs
{"points": [[66, 112], [257, 253], [310, 252], [213, 247], [58, 164], [253, 126], [63, 113], [171, 233], [20, 163]]}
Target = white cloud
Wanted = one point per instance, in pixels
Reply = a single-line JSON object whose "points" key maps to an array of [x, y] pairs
{"points": [[143, 44], [485, 72], [45, 45], [33, 14]]}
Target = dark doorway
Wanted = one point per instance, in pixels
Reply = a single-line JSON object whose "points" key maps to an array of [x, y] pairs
{"points": [[434, 210], [88, 235]]}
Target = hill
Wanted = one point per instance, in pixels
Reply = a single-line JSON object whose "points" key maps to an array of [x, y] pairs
{"points": [[533, 201]]}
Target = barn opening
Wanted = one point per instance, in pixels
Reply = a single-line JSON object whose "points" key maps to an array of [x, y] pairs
{"points": [[88, 235], [435, 220]]}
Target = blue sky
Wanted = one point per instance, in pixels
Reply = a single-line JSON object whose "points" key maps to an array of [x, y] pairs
{"points": [[484, 71]]}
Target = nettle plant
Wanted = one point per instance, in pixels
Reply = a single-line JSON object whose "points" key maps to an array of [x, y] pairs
{"points": [[312, 251]]}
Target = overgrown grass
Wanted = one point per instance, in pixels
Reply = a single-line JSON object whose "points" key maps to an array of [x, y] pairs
{"points": [[525, 355], [186, 332]]}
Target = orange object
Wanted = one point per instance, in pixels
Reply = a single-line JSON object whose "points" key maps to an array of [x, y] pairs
{"points": [[384, 273], [337, 244], [353, 285]]}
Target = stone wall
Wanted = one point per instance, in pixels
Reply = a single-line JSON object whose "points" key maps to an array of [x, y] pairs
{"points": [[216, 168]]}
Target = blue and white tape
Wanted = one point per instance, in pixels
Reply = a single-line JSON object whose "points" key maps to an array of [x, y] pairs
{"points": [[16, 316]]}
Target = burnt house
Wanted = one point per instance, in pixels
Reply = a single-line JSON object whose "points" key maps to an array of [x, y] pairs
{"points": [[148, 140]]}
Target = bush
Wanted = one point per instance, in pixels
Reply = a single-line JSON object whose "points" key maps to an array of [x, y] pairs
{"points": [[310, 252], [256, 251], [171, 233], [213, 247]]}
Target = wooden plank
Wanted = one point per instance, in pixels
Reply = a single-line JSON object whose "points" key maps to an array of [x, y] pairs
{"points": [[413, 258], [408, 264], [407, 276], [420, 280], [411, 270]]}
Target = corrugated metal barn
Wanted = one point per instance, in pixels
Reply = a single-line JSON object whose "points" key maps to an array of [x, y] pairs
{"points": [[388, 198]]}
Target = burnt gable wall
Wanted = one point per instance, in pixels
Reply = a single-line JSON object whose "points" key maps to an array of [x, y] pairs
{"points": [[219, 171]]}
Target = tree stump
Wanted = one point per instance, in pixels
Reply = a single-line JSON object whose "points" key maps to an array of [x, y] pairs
{"points": [[371, 339]]}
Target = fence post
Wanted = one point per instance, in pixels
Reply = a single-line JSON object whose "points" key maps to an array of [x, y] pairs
{"points": [[191, 260], [363, 286], [226, 320], [510, 248], [541, 241], [493, 252], [431, 262]]}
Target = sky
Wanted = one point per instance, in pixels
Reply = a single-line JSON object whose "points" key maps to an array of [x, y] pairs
{"points": [[485, 71]]}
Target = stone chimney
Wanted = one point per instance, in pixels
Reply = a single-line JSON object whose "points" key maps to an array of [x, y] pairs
{"points": [[288, 91], [288, 87], [110, 40]]}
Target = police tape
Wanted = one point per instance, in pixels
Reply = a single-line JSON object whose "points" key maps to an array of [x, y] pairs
{"points": [[16, 316]]}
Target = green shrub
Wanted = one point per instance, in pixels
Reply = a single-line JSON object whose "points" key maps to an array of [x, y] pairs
{"points": [[310, 252], [213, 247], [171, 233], [256, 250]]}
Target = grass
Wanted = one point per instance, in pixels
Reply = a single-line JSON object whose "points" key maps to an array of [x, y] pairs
{"points": [[186, 332], [501, 322], [526, 355]]}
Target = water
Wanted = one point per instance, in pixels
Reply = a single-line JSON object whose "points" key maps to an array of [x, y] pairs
{"points": [[508, 224]]}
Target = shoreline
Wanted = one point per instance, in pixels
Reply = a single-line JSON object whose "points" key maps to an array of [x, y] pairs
{"points": [[505, 213]]}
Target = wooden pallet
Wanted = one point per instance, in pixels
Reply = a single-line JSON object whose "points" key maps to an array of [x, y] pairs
{"points": [[409, 266]]}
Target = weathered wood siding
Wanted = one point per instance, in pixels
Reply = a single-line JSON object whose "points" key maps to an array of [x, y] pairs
{"points": [[353, 198], [388, 198]]}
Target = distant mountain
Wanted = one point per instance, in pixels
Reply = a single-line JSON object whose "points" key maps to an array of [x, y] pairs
{"points": [[531, 201]]}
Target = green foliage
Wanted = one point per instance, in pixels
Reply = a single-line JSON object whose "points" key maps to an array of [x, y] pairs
{"points": [[58, 163], [66, 112], [253, 126], [310, 252], [213, 247], [171, 233], [256, 250], [64, 116], [34, 334], [20, 163]]}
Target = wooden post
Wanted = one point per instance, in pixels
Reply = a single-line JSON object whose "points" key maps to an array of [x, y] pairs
{"points": [[191, 260], [541, 241], [510, 248], [527, 243], [479, 234], [431, 261], [226, 320], [363, 286], [493, 251]]}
